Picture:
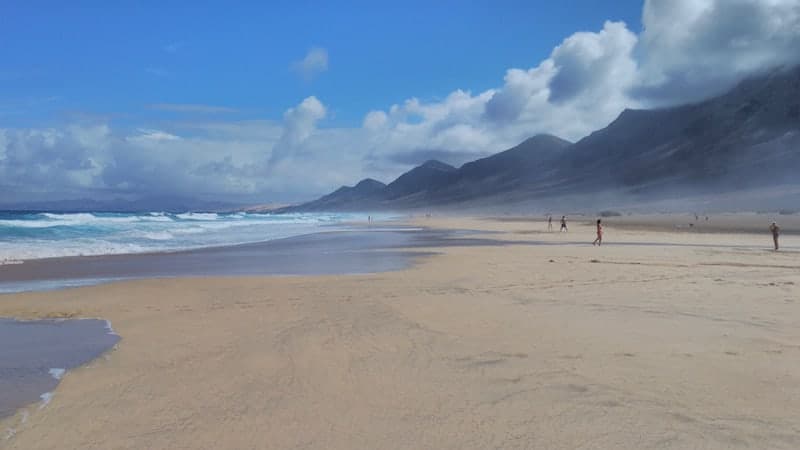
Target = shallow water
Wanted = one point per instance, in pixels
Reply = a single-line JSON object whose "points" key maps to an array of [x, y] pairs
{"points": [[35, 354]]}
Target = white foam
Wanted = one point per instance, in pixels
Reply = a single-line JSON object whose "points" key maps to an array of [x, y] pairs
{"points": [[155, 235], [87, 218], [39, 248], [27, 223], [57, 373], [10, 261], [46, 398], [190, 230], [199, 216], [84, 234], [110, 329]]}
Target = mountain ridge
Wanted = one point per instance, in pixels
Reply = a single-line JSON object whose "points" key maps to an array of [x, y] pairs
{"points": [[746, 137]]}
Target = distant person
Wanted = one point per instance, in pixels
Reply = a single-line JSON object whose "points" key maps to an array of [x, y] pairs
{"points": [[599, 240], [564, 223], [776, 231], [549, 223]]}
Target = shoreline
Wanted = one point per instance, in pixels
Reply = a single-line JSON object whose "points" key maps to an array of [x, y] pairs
{"points": [[76, 271], [359, 251], [505, 344]]}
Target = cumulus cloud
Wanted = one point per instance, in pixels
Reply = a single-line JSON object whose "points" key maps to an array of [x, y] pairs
{"points": [[39, 160], [375, 120], [314, 63], [696, 48], [298, 124], [687, 51], [593, 64], [521, 86]]}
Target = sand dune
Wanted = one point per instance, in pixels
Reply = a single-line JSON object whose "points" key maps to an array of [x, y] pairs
{"points": [[657, 340]]}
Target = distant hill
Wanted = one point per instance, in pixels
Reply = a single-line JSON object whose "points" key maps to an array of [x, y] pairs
{"points": [[746, 138], [435, 182], [366, 194]]}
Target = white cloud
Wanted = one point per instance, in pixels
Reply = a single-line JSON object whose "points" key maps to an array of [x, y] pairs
{"points": [[301, 120], [695, 48], [298, 125], [147, 136], [314, 63], [375, 120], [592, 65]]}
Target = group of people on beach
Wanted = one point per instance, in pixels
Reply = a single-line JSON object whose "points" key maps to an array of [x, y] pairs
{"points": [[598, 241], [563, 223], [774, 229]]}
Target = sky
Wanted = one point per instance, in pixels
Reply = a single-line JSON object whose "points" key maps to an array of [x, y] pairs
{"points": [[258, 102]]}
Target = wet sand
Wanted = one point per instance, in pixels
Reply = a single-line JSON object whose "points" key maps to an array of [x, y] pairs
{"points": [[538, 340], [368, 250]]}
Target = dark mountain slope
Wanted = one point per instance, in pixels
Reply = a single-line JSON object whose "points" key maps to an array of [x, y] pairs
{"points": [[425, 177], [743, 133], [505, 171], [366, 194]]}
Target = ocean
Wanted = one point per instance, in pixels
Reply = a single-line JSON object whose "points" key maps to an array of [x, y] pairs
{"points": [[36, 235]]}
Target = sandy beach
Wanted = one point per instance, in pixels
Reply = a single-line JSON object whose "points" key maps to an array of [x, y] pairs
{"points": [[666, 339]]}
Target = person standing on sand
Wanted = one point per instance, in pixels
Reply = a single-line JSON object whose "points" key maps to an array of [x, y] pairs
{"points": [[776, 231], [564, 223], [599, 240], [549, 223]]}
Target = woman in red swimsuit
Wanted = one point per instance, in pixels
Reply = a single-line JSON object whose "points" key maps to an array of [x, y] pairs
{"points": [[599, 239]]}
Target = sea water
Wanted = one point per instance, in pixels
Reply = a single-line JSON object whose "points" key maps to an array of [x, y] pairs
{"points": [[36, 235]]}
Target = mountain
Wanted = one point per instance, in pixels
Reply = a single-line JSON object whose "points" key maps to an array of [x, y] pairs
{"points": [[421, 179], [365, 194], [747, 136], [505, 171], [744, 139], [435, 182]]}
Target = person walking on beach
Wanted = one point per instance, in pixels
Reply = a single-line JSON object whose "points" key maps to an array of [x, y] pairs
{"points": [[599, 240], [549, 223], [776, 231], [564, 223]]}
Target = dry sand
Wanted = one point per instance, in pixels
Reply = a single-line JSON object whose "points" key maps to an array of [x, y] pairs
{"points": [[638, 344]]}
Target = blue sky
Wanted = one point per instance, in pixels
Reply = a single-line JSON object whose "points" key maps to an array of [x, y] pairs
{"points": [[118, 57], [257, 102]]}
